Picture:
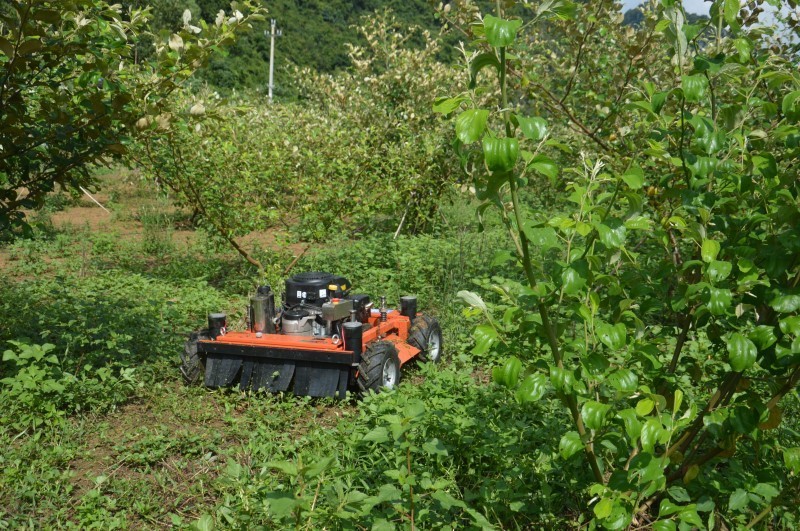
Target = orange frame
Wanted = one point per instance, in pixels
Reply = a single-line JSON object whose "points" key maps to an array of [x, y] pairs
{"points": [[395, 330]]}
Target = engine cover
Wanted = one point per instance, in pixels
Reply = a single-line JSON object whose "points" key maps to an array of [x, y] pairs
{"points": [[314, 288]]}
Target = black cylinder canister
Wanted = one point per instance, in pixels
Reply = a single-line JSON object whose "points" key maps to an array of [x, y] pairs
{"points": [[216, 324], [408, 307], [353, 335]]}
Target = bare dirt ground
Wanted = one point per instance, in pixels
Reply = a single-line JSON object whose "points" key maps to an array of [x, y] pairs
{"points": [[125, 199]]}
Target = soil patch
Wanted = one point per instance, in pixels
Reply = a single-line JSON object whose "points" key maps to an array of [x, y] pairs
{"points": [[93, 217]]}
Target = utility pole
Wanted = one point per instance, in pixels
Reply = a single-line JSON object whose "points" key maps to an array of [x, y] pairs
{"points": [[273, 32]]}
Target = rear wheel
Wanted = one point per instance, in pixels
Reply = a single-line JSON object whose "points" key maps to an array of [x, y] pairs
{"points": [[192, 365], [379, 368], [426, 335]]}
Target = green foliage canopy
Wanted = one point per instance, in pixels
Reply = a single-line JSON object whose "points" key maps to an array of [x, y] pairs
{"points": [[663, 302], [71, 94]]}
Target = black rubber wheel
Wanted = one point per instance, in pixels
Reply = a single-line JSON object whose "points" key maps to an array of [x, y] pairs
{"points": [[192, 365], [379, 368], [426, 335]]}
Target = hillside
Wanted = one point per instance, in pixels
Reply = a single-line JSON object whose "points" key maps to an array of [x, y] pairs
{"points": [[315, 34]]}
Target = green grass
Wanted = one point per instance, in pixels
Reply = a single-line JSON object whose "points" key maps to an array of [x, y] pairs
{"points": [[106, 435], [136, 448]]}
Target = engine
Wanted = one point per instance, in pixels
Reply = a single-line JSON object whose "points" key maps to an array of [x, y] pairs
{"points": [[314, 304]]}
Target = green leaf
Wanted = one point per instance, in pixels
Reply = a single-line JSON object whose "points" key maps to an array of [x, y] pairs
{"points": [[633, 427], [532, 128], [654, 469], [603, 508], [287, 467], [532, 388], [204, 523], [544, 238], [745, 48], [664, 525], [377, 435], [766, 491], [667, 508], [485, 335], [786, 303], [318, 467], [479, 63], [766, 165], [741, 352], [731, 10], [679, 494], [709, 250], [623, 380], [718, 270], [694, 87], [281, 504], [719, 300], [658, 100], [562, 379], [500, 154], [570, 444], [544, 165], [612, 233], [470, 125], [791, 457], [738, 500], [644, 407], [790, 325], [743, 419], [612, 336], [634, 177], [789, 104], [763, 336], [500, 32], [472, 299], [594, 414], [562, 9], [651, 431], [689, 517], [508, 373], [434, 447], [447, 105], [446, 500], [572, 280]]}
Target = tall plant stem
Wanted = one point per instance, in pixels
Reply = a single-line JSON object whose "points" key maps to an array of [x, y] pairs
{"points": [[570, 401]]}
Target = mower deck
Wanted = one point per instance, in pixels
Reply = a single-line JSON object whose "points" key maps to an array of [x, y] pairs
{"points": [[313, 366]]}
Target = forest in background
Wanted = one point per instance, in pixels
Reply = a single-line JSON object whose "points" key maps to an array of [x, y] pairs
{"points": [[315, 35]]}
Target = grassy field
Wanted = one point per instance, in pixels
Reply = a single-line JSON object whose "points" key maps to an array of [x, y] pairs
{"points": [[100, 431]]}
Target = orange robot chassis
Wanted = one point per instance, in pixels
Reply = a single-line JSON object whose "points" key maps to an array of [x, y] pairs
{"points": [[322, 342]]}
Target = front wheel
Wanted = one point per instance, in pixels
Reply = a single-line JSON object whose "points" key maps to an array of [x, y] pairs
{"points": [[192, 366], [426, 335], [379, 368]]}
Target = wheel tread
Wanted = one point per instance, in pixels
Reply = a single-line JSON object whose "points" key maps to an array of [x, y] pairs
{"points": [[370, 370]]}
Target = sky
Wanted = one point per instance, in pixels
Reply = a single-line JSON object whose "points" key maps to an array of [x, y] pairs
{"points": [[691, 6], [701, 7]]}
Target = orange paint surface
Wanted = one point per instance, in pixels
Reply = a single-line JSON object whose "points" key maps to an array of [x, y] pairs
{"points": [[395, 329]]}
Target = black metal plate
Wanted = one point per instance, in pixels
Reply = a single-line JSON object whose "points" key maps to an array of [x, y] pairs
{"points": [[276, 372], [221, 370], [273, 377], [340, 357]]}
